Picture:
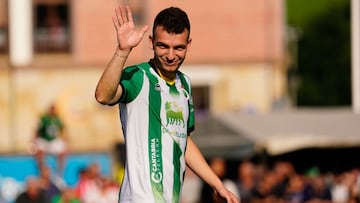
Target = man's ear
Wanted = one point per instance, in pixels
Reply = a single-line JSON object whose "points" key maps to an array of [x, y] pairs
{"points": [[151, 44], [189, 43]]}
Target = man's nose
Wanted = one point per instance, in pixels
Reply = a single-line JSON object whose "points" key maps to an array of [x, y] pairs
{"points": [[171, 54]]}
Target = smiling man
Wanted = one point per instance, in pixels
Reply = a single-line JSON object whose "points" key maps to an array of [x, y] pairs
{"points": [[156, 110]]}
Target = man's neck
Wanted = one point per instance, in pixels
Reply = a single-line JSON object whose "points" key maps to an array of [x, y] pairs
{"points": [[167, 79], [170, 79]]}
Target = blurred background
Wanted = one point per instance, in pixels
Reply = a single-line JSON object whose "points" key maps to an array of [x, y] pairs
{"points": [[274, 81]]}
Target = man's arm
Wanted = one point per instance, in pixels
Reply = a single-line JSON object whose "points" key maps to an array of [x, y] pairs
{"points": [[108, 90], [197, 163]]}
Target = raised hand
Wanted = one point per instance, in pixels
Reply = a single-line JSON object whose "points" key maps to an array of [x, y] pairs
{"points": [[127, 35]]}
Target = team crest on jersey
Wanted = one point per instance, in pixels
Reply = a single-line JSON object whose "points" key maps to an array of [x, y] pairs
{"points": [[174, 114], [157, 87]]}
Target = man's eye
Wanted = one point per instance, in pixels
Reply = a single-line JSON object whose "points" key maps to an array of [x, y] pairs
{"points": [[162, 46]]}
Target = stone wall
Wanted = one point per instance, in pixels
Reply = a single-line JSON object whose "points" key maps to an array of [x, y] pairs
{"points": [[27, 93]]}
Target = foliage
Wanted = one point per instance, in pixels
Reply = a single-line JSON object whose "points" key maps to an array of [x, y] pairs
{"points": [[324, 59], [301, 12]]}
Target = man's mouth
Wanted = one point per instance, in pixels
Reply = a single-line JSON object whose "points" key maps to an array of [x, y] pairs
{"points": [[170, 64]]}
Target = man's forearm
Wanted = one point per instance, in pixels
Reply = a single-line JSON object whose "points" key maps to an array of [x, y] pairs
{"points": [[197, 163], [108, 90]]}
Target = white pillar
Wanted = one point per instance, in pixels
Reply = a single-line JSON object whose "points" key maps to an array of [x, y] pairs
{"points": [[21, 32], [355, 54]]}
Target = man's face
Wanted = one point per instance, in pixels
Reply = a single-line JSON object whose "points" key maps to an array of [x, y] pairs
{"points": [[169, 49]]}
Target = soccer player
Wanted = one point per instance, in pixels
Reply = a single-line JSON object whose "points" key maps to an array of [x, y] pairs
{"points": [[50, 138], [156, 110]]}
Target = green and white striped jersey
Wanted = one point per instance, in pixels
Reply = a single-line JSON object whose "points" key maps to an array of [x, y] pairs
{"points": [[156, 118]]}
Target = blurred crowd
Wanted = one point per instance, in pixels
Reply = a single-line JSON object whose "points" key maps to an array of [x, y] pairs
{"points": [[278, 183], [252, 183], [92, 187]]}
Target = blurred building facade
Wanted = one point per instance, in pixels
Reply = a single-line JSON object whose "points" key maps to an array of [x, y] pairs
{"points": [[236, 62]]}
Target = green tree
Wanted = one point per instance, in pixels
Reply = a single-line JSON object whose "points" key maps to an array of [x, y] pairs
{"points": [[324, 59]]}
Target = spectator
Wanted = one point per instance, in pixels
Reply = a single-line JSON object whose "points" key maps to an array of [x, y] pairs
{"points": [[246, 182], [283, 172], [47, 185], [340, 192], [66, 196], [107, 193], [295, 190], [263, 192], [320, 189], [32, 193], [88, 187], [80, 186]]}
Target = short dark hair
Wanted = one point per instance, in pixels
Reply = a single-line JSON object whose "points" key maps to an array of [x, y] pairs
{"points": [[173, 20]]}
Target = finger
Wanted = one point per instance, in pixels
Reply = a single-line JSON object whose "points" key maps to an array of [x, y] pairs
{"points": [[233, 198], [118, 16], [129, 14], [115, 22], [124, 14]]}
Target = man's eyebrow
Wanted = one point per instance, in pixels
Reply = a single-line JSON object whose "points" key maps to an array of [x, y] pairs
{"points": [[161, 44], [181, 46]]}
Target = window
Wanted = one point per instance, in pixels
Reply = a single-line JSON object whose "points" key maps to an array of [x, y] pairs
{"points": [[3, 27], [52, 29], [201, 99]]}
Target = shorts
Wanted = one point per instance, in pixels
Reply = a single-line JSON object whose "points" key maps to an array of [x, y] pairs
{"points": [[56, 146]]}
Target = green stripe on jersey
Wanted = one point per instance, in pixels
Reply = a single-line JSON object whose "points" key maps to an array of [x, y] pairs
{"points": [[177, 167], [155, 145], [188, 94], [155, 132]]}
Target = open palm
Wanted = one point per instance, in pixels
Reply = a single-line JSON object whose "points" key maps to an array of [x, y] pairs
{"points": [[127, 35]]}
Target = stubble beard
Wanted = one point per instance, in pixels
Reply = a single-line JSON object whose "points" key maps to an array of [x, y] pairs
{"points": [[165, 72]]}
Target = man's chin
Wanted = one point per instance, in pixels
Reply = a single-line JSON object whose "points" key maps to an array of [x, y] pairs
{"points": [[171, 68]]}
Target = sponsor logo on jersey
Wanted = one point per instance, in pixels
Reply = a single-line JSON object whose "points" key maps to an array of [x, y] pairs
{"points": [[174, 114], [156, 174]]}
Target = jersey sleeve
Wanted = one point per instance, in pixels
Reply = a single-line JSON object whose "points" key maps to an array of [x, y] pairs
{"points": [[131, 81]]}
